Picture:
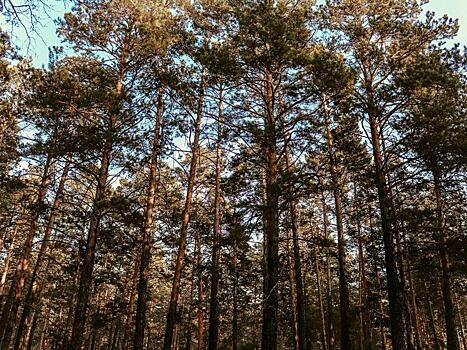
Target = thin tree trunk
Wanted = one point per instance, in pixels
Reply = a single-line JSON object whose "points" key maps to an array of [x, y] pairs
{"points": [[380, 293], [199, 311], [344, 300], [148, 339], [177, 337], [401, 267], [293, 293], [111, 334], [449, 313], [140, 318], [271, 224], [405, 299], [87, 267], [424, 331], [329, 305], [432, 324], [461, 322], [94, 339], [365, 332], [175, 293], [9, 255], [361, 296], [413, 300], [320, 300], [235, 301], [189, 327], [297, 264], [15, 293], [301, 322], [27, 332], [32, 331], [43, 331], [393, 286], [69, 319], [381, 311], [116, 337], [29, 299], [214, 302], [131, 302]]}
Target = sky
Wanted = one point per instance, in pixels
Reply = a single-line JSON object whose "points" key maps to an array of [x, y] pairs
{"points": [[454, 9], [46, 37]]}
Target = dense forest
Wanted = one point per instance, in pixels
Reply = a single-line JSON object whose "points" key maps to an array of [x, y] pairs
{"points": [[234, 174]]}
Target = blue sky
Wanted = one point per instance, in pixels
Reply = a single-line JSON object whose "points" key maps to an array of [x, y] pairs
{"points": [[46, 36], [454, 9]]}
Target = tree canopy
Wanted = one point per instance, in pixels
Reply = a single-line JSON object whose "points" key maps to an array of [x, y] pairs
{"points": [[242, 174]]}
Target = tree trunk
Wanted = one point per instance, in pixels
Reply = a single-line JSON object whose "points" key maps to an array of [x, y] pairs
{"points": [[43, 332], [449, 313], [189, 326], [131, 302], [15, 293], [271, 224], [399, 253], [235, 301], [175, 293], [111, 334], [29, 299], [365, 332], [148, 339], [9, 255], [301, 323], [293, 293], [404, 293], [321, 304], [32, 331], [140, 319], [381, 311], [329, 304], [199, 311], [87, 267], [461, 322], [297, 263], [344, 300], [214, 302], [114, 345], [432, 324], [413, 300], [393, 286], [69, 319]]}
